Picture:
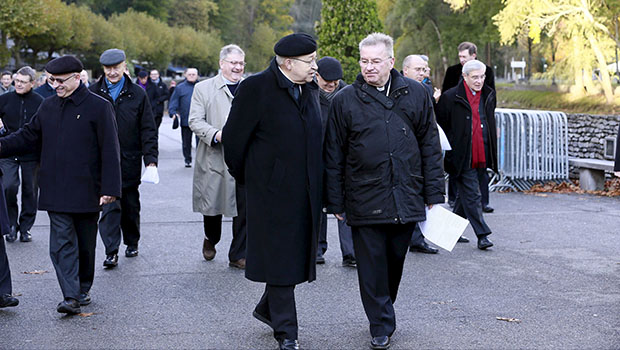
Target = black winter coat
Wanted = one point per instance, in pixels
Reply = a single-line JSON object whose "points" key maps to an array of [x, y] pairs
{"points": [[158, 94], [379, 171], [16, 110], [454, 74], [45, 90], [273, 145], [454, 117], [325, 103], [79, 151], [137, 133]]}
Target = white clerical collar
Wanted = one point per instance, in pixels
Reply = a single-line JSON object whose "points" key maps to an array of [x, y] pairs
{"points": [[382, 88]]}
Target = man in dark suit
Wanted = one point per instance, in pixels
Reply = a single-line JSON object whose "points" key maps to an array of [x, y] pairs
{"points": [[383, 168], [466, 114], [137, 136], [158, 94], [272, 140], [6, 288], [46, 90], [80, 172]]}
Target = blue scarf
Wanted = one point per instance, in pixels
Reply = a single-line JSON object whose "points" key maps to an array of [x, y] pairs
{"points": [[115, 89]]}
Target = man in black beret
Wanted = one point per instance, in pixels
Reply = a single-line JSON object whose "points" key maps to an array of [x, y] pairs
{"points": [[272, 140], [80, 172], [137, 135], [328, 78]]}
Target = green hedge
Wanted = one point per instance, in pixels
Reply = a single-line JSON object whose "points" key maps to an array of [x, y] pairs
{"points": [[556, 101]]}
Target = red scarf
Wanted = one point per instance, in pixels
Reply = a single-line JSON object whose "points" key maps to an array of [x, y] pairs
{"points": [[477, 141]]}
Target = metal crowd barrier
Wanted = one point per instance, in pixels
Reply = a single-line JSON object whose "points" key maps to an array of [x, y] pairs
{"points": [[532, 148]]}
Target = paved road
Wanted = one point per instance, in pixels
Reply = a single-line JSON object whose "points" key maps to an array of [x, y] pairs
{"points": [[555, 267]]}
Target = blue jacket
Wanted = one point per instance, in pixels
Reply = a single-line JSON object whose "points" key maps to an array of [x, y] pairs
{"points": [[180, 101]]}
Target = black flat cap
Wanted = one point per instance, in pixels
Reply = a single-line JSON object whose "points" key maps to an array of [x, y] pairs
{"points": [[330, 68], [63, 65], [293, 45], [112, 57], [143, 74]]}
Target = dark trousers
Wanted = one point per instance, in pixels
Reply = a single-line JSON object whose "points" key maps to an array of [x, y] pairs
{"points": [[346, 238], [73, 237], [468, 203], [186, 138], [121, 215], [322, 247], [11, 181], [417, 238], [158, 118], [483, 184], [278, 304], [380, 252], [5, 272], [213, 227]]}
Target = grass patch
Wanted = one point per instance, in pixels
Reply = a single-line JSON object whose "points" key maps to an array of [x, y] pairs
{"points": [[555, 101]]}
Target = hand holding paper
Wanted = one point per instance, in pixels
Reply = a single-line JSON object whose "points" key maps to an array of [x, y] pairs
{"points": [[150, 175], [442, 227]]}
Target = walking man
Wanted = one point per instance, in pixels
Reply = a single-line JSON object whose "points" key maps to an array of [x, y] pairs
{"points": [[137, 136], [179, 108], [214, 192], [16, 110], [158, 95], [80, 172], [383, 167], [273, 145]]}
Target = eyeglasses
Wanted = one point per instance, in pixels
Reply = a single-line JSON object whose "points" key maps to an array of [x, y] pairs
{"points": [[235, 63], [418, 69], [477, 77], [310, 62], [53, 80], [17, 81], [374, 62]]}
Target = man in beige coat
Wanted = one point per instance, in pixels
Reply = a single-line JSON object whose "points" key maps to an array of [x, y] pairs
{"points": [[214, 190]]}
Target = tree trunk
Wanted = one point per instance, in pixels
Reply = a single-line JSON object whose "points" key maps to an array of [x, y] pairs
{"points": [[605, 81], [444, 59]]}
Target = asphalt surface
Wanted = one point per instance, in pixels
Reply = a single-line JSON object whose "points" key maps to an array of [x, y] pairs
{"points": [[553, 274]]}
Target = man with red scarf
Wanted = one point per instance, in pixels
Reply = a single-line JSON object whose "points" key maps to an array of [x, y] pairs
{"points": [[466, 114]]}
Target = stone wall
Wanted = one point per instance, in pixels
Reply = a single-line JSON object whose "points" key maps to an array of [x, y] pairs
{"points": [[587, 134]]}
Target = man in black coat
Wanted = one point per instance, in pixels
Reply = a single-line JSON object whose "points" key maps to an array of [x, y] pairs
{"points": [[467, 52], [17, 109], [157, 92], [46, 90], [80, 171], [328, 78], [272, 140], [137, 135], [383, 167], [6, 287], [466, 114]]}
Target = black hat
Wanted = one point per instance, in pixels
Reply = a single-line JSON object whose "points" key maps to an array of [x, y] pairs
{"points": [[293, 45], [142, 74], [112, 57], [330, 68], [63, 65]]}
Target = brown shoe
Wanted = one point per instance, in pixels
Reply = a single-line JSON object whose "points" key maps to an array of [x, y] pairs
{"points": [[240, 264], [208, 250]]}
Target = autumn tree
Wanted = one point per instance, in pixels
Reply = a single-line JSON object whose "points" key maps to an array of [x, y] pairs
{"points": [[20, 19], [343, 25]]}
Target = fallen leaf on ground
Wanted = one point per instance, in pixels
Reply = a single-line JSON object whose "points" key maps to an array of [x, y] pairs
{"points": [[612, 188], [20, 294], [442, 302], [86, 314], [508, 319], [526, 241], [36, 272]]}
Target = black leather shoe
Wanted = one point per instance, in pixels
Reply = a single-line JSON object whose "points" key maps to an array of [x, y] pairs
{"points": [[239, 264], [69, 306], [110, 261], [25, 237], [288, 344], [84, 299], [463, 239], [423, 248], [349, 261], [382, 342], [487, 209], [8, 300], [264, 319], [131, 251], [320, 260], [484, 243], [12, 235], [208, 250]]}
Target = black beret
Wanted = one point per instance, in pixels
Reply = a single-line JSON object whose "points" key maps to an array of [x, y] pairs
{"points": [[330, 68], [293, 45], [143, 74], [112, 57], [63, 65]]}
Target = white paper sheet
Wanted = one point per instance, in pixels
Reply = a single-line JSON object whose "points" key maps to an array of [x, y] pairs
{"points": [[442, 227], [443, 140], [150, 176]]}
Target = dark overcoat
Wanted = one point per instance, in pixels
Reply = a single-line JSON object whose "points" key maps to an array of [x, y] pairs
{"points": [[455, 117], [158, 94], [378, 170], [454, 74], [17, 110], [137, 132], [273, 145], [80, 159]]}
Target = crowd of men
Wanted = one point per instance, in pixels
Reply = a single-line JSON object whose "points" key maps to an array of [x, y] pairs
{"points": [[299, 144]]}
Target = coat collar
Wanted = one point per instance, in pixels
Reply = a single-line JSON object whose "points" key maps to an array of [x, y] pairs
{"points": [[285, 83], [79, 95], [220, 83], [461, 94], [368, 93]]}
